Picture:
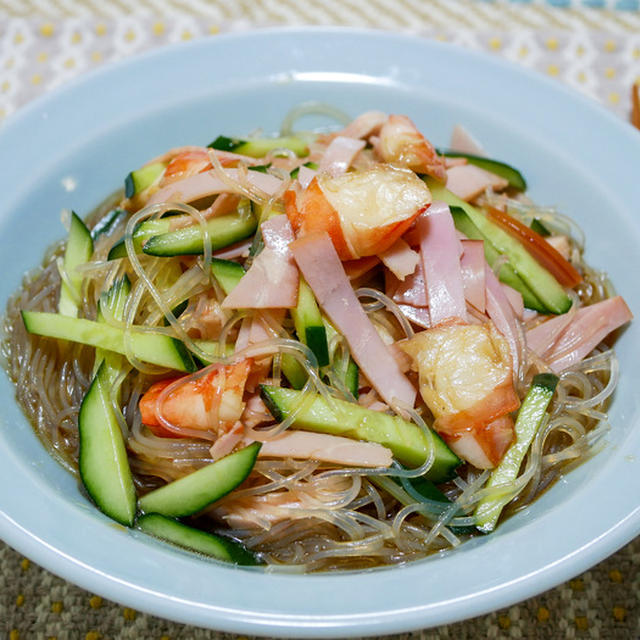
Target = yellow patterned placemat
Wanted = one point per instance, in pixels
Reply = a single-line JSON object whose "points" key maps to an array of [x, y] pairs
{"points": [[44, 43]]}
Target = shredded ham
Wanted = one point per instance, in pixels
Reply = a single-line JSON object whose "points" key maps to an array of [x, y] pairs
{"points": [[272, 279], [472, 264], [440, 250], [340, 154], [515, 299], [365, 125], [413, 291], [468, 181], [206, 184], [463, 142], [325, 448], [238, 250], [322, 269], [585, 331], [499, 309], [400, 259], [419, 316], [305, 176]]}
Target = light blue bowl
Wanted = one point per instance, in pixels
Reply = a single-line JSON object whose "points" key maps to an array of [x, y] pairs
{"points": [[574, 154]]}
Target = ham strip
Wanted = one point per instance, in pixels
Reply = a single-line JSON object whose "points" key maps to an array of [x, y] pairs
{"points": [[463, 142], [542, 337], [588, 327], [400, 259], [416, 315], [206, 184], [472, 266], [412, 291], [238, 250], [325, 448], [305, 176], [440, 250], [499, 309], [272, 279], [364, 125], [322, 269], [339, 155], [515, 299], [468, 181]]}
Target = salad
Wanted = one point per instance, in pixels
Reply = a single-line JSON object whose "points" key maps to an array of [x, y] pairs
{"points": [[326, 351]]}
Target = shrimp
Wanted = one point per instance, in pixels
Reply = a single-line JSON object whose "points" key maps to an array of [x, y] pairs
{"points": [[466, 380], [208, 401], [364, 212], [401, 144]]}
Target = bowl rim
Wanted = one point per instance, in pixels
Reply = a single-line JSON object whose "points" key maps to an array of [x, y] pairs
{"points": [[318, 624]]}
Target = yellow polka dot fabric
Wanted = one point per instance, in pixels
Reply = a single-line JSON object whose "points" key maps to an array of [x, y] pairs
{"points": [[45, 43]]}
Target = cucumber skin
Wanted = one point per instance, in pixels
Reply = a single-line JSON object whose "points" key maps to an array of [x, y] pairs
{"points": [[78, 251], [507, 275], [158, 349], [194, 492], [138, 180], [100, 437], [541, 282], [405, 439], [141, 233], [186, 537], [530, 416], [258, 147], [223, 231]]}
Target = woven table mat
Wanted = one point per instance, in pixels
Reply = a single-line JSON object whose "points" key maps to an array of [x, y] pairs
{"points": [[44, 43]]}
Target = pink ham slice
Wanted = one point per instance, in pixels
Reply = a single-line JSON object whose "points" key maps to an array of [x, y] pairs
{"points": [[305, 176], [325, 448], [468, 181], [339, 155], [419, 316], [364, 125], [322, 269], [463, 142], [400, 259], [202, 185], [472, 264], [272, 279], [440, 250], [586, 330], [501, 312]]}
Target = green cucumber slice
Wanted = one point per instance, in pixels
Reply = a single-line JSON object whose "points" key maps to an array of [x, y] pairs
{"points": [[143, 178], [509, 173], [307, 320], [349, 374], [227, 273], [192, 493], [506, 274], [154, 348], [539, 228], [102, 459], [78, 251], [223, 231], [406, 440], [258, 147], [142, 232], [108, 222], [530, 416], [538, 279], [187, 537]]}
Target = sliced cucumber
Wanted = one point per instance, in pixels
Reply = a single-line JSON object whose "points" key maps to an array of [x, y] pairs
{"points": [[78, 251], [142, 232], [192, 493], [108, 222], [293, 371], [102, 457], [187, 537], [406, 440], [537, 278], [258, 147], [539, 228], [308, 323], [113, 301], [506, 273], [509, 173], [142, 179], [227, 273], [530, 417], [349, 373], [154, 348], [223, 231]]}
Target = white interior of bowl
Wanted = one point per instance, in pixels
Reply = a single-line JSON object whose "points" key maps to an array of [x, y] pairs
{"points": [[97, 130]]}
